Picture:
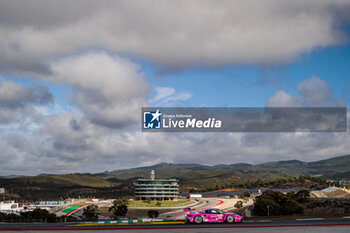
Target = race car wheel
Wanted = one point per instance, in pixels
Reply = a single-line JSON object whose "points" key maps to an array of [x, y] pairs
{"points": [[198, 219], [230, 219]]}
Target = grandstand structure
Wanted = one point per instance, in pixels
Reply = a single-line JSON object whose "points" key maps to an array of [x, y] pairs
{"points": [[156, 189]]}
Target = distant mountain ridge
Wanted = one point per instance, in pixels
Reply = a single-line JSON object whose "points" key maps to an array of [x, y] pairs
{"points": [[86, 180], [204, 176], [192, 175], [293, 167]]}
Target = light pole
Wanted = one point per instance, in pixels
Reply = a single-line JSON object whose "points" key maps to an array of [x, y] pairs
{"points": [[268, 210]]}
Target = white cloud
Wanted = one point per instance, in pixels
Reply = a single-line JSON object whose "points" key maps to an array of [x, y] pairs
{"points": [[161, 93], [313, 92], [62, 146], [167, 97], [316, 92], [178, 100], [172, 34], [18, 104], [67, 142], [14, 95], [110, 91], [51, 39], [282, 99]]}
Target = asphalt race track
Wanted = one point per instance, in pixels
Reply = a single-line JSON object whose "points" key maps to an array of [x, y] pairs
{"points": [[319, 226]]}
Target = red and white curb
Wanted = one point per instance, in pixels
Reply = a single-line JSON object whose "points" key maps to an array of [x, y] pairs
{"points": [[75, 210]]}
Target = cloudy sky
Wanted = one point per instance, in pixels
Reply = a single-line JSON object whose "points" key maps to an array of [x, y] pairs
{"points": [[75, 74]]}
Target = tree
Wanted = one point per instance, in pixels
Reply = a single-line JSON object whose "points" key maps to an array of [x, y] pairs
{"points": [[119, 208], [239, 204], [121, 201], [266, 206], [192, 191], [38, 215], [291, 195], [153, 214], [276, 203], [148, 200], [302, 195], [90, 212], [2, 216], [291, 206], [246, 194], [13, 217]]}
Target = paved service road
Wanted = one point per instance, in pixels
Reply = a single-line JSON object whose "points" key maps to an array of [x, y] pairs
{"points": [[311, 226], [180, 214], [222, 204]]}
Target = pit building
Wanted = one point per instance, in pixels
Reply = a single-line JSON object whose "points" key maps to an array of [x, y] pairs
{"points": [[156, 189]]}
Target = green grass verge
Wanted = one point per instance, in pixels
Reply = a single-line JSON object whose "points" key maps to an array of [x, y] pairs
{"points": [[69, 209]]}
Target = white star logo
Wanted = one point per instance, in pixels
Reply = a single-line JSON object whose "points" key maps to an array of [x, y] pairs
{"points": [[156, 115]]}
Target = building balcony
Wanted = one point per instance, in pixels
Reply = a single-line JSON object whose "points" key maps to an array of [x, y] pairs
{"points": [[153, 188], [138, 196], [156, 192], [138, 184]]}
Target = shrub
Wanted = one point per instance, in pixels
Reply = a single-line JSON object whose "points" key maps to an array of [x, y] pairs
{"points": [[239, 204], [119, 208], [276, 203], [246, 194], [148, 200], [90, 212], [302, 195], [153, 214]]}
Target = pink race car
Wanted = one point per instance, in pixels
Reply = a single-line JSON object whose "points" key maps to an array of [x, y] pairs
{"points": [[212, 215]]}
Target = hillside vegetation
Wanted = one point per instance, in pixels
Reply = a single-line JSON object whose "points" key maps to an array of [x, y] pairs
{"points": [[287, 182], [196, 176], [278, 174], [60, 180], [54, 187]]}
